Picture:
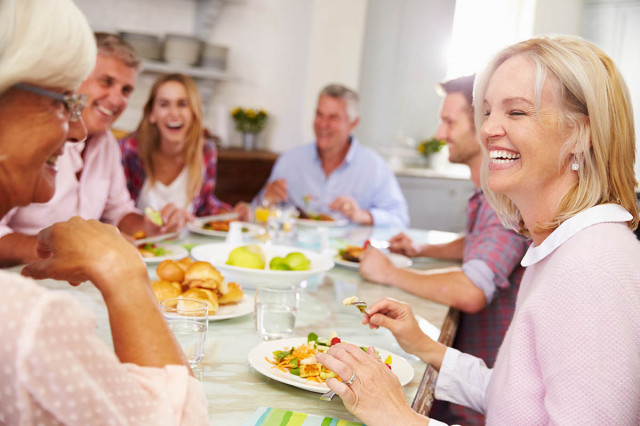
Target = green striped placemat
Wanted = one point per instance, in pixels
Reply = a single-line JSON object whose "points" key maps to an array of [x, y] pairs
{"points": [[265, 416]]}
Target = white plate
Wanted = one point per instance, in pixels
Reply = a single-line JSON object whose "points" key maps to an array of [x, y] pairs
{"points": [[398, 260], [174, 252], [197, 228], [218, 253], [399, 365], [337, 221], [157, 238], [234, 310]]}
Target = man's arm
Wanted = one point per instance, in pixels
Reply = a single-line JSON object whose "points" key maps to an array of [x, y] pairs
{"points": [[449, 286], [451, 251], [132, 223], [17, 248]]}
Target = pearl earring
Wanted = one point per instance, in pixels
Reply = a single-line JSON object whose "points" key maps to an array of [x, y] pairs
{"points": [[575, 166]]}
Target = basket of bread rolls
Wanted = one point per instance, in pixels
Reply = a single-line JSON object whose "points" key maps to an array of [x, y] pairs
{"points": [[195, 280]]}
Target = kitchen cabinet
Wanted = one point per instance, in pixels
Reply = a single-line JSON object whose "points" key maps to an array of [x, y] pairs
{"points": [[436, 202], [241, 174]]}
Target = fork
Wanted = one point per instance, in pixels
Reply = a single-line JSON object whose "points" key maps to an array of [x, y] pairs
{"points": [[327, 396], [360, 304]]}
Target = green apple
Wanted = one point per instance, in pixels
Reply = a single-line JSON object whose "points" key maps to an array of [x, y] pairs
{"points": [[250, 256], [278, 264], [153, 215], [297, 261]]}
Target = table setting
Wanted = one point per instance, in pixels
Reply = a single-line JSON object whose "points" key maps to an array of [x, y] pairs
{"points": [[281, 305]]}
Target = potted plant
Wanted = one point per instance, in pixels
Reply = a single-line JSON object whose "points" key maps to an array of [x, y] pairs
{"points": [[429, 147], [249, 122]]}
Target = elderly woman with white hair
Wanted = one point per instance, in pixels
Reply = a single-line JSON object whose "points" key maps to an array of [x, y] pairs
{"points": [[58, 371], [556, 124]]}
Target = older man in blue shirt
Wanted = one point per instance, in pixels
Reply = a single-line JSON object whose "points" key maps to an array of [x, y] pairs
{"points": [[337, 173]]}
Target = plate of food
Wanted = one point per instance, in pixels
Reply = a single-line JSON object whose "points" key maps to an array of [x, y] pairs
{"points": [[321, 219], [349, 257], [201, 281], [157, 252], [254, 265], [218, 225], [292, 361], [141, 237]]}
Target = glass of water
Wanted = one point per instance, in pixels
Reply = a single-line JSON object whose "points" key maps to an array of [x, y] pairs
{"points": [[275, 311], [188, 320], [281, 223]]}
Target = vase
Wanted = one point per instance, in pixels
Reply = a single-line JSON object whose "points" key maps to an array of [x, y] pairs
{"points": [[249, 141]]}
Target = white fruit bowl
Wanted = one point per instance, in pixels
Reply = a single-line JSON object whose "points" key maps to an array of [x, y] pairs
{"points": [[218, 253]]}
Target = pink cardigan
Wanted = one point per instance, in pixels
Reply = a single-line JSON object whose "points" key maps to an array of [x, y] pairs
{"points": [[572, 352]]}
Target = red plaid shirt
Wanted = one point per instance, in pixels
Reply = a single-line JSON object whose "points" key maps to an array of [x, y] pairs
{"points": [[481, 334], [204, 204]]}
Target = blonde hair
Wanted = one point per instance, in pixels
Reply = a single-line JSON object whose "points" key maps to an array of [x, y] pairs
{"points": [[45, 43], [149, 136], [598, 114]]}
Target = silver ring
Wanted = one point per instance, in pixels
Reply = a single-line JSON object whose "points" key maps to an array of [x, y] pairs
{"points": [[352, 379]]}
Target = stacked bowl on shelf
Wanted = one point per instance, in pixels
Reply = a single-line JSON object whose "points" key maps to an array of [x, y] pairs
{"points": [[177, 49], [182, 49], [148, 46], [214, 56]]}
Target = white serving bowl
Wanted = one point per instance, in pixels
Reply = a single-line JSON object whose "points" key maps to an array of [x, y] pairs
{"points": [[218, 253]]}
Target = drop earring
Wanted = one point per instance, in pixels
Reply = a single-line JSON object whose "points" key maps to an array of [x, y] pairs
{"points": [[575, 166]]}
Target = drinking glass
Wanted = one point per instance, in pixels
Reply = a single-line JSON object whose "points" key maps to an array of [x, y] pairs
{"points": [[275, 311], [262, 211], [188, 320], [281, 223]]}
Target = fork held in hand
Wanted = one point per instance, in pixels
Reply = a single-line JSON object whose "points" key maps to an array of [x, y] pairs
{"points": [[328, 396]]}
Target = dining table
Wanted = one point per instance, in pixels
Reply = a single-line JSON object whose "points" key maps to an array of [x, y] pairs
{"points": [[235, 390]]}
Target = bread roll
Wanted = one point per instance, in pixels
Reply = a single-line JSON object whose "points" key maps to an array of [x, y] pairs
{"points": [[210, 284], [204, 295], [184, 263], [231, 293], [170, 270], [166, 290], [202, 271]]}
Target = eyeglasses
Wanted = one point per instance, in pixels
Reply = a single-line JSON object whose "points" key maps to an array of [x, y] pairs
{"points": [[74, 103]]}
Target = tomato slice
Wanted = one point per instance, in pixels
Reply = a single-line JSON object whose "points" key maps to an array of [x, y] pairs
{"points": [[335, 341]]}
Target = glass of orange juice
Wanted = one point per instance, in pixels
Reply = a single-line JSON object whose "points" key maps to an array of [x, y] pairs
{"points": [[262, 211]]}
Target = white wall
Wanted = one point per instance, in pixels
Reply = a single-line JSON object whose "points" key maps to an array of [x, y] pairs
{"points": [[403, 59], [615, 26]]}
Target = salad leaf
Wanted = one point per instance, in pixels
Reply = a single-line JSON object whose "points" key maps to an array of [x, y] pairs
{"points": [[312, 337]]}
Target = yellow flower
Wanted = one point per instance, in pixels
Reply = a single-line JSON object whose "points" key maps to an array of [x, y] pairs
{"points": [[250, 113]]}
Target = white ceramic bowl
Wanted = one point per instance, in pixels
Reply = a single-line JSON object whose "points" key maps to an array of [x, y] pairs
{"points": [[218, 253]]}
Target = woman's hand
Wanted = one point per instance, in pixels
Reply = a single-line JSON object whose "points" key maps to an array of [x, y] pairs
{"points": [[376, 267], [402, 244], [79, 250], [348, 207], [398, 318], [174, 219], [375, 396]]}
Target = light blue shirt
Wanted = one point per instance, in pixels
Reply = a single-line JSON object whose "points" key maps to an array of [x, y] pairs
{"points": [[364, 175]]}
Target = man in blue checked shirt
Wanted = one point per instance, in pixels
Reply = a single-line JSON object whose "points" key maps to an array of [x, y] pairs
{"points": [[337, 173]]}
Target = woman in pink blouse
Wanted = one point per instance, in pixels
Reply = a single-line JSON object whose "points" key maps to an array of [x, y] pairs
{"points": [[556, 124], [55, 369]]}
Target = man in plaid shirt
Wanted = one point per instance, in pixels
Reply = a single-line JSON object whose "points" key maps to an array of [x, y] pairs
{"points": [[484, 289]]}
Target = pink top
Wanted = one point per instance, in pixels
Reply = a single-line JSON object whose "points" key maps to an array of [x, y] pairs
{"points": [[55, 370], [571, 354], [100, 194]]}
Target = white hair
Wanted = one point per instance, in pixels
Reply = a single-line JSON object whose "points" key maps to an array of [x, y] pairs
{"points": [[45, 43]]}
